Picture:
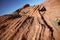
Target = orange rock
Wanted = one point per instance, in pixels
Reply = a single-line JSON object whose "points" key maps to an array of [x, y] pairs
{"points": [[36, 24]]}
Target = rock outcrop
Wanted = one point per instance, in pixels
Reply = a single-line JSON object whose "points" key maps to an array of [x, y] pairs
{"points": [[25, 6], [39, 22]]}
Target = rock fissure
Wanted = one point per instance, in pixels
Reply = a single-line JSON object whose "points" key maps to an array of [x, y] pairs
{"points": [[33, 24]]}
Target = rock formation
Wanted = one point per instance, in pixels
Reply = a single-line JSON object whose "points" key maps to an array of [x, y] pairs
{"points": [[38, 22]]}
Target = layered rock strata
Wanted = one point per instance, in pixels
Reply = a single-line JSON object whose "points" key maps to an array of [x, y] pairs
{"points": [[36, 24]]}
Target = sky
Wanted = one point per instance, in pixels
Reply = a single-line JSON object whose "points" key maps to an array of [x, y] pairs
{"points": [[8, 6]]}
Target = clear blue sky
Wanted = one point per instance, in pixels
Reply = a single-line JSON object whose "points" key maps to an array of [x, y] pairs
{"points": [[8, 6]]}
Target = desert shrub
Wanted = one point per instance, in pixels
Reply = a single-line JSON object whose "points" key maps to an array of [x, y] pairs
{"points": [[56, 22], [22, 13], [15, 14]]}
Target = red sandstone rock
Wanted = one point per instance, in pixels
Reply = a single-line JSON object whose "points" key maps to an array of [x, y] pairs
{"points": [[36, 24], [25, 6]]}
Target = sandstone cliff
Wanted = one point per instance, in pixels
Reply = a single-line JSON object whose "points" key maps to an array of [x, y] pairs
{"points": [[38, 22]]}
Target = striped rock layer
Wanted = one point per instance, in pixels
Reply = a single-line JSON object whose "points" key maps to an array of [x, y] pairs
{"points": [[36, 24]]}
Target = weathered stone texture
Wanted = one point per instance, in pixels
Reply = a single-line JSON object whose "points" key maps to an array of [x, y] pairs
{"points": [[36, 24]]}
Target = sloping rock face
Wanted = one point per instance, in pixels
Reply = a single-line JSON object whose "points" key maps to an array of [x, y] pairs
{"points": [[37, 23]]}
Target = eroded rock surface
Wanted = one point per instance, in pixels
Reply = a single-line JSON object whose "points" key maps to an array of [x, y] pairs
{"points": [[35, 24]]}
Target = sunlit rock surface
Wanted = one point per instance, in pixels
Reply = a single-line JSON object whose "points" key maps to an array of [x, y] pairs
{"points": [[38, 22]]}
